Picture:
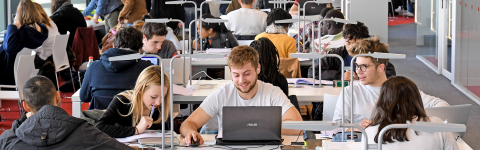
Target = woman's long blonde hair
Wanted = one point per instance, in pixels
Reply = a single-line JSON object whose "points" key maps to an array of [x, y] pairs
{"points": [[149, 76], [27, 14], [45, 19]]}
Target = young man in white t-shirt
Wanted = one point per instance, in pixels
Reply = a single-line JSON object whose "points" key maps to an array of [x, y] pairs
{"points": [[371, 74], [245, 90], [246, 21]]}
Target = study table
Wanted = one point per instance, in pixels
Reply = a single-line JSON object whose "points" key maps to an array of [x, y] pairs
{"points": [[305, 94], [99, 26], [221, 62], [287, 140]]}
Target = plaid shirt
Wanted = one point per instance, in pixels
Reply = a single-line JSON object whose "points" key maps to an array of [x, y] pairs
{"points": [[308, 33]]}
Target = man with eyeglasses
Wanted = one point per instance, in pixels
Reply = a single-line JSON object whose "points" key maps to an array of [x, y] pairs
{"points": [[366, 90]]}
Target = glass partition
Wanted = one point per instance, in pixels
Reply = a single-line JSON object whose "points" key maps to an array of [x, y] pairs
{"points": [[427, 35], [466, 38]]}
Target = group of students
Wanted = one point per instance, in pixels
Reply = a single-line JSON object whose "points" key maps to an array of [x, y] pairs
{"points": [[135, 88]]}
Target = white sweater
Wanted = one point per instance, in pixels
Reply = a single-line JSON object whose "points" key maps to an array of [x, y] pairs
{"points": [[366, 98], [422, 141], [46, 49]]}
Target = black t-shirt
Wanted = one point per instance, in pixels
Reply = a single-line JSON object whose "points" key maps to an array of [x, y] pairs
{"points": [[117, 126]]}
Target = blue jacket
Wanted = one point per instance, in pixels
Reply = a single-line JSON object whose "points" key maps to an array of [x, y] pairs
{"points": [[14, 41], [103, 7], [108, 78]]}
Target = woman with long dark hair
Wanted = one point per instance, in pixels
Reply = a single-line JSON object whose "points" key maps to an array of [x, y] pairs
{"points": [[400, 101], [214, 35], [269, 62]]}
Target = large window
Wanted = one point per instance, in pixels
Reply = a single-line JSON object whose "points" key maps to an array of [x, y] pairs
{"points": [[46, 4]]}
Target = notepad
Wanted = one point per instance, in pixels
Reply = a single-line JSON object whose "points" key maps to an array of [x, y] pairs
{"points": [[307, 81], [146, 134]]}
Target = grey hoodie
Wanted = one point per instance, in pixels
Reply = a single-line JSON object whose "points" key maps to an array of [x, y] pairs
{"points": [[53, 128]]}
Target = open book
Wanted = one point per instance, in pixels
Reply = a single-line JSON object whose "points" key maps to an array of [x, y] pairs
{"points": [[307, 81]]}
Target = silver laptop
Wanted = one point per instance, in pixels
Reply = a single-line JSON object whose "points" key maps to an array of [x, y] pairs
{"points": [[452, 114], [178, 72], [252, 123]]}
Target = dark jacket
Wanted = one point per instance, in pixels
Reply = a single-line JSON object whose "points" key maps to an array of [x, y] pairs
{"points": [[332, 69], [161, 10], [14, 41], [117, 126], [108, 78], [53, 128], [85, 45], [222, 40], [68, 18]]}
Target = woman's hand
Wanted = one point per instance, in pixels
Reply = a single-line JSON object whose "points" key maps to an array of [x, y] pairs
{"points": [[145, 123]]}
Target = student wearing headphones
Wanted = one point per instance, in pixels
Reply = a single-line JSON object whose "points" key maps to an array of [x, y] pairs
{"points": [[129, 112]]}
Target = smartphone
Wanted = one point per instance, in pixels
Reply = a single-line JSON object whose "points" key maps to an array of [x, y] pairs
{"points": [[297, 143]]}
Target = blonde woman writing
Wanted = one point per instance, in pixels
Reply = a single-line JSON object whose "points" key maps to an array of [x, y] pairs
{"points": [[129, 113]]}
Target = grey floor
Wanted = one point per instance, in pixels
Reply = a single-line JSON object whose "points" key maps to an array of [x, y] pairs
{"points": [[402, 39]]}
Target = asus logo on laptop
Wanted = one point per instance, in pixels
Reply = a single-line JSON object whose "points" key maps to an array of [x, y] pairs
{"points": [[252, 125]]}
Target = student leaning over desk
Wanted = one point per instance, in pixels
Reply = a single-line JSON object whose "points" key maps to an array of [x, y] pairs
{"points": [[130, 111]]}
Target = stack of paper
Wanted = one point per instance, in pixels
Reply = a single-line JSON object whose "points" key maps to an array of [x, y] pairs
{"points": [[224, 51], [146, 134]]}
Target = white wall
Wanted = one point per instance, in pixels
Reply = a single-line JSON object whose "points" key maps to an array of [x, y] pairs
{"points": [[374, 13]]}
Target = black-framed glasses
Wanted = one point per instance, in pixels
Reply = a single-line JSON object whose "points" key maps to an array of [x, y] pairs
{"points": [[362, 67]]}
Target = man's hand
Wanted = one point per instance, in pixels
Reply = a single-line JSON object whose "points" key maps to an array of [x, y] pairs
{"points": [[95, 19], [347, 75], [365, 123], [196, 137], [180, 25]]}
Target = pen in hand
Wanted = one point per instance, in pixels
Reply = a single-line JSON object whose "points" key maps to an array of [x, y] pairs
{"points": [[151, 112]]}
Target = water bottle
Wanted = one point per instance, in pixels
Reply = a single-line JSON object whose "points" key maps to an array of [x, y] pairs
{"points": [[90, 60]]}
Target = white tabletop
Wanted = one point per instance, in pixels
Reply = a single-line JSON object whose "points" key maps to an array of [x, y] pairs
{"points": [[306, 94], [223, 62], [9, 95]]}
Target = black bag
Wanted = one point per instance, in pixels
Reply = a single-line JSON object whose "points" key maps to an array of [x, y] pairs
{"points": [[68, 87]]}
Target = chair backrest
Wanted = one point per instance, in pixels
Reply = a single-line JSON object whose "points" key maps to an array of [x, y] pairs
{"points": [[290, 67], [25, 70], [294, 101], [329, 105], [24, 51], [184, 45], [60, 57], [244, 42], [228, 74]]}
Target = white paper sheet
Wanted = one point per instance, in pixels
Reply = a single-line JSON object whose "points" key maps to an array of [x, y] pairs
{"points": [[180, 90], [146, 134]]}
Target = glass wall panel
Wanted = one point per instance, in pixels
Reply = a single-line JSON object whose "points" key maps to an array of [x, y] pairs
{"points": [[427, 35]]}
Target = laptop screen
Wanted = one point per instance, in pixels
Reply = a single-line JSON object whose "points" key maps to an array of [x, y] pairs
{"points": [[251, 123], [154, 60]]}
